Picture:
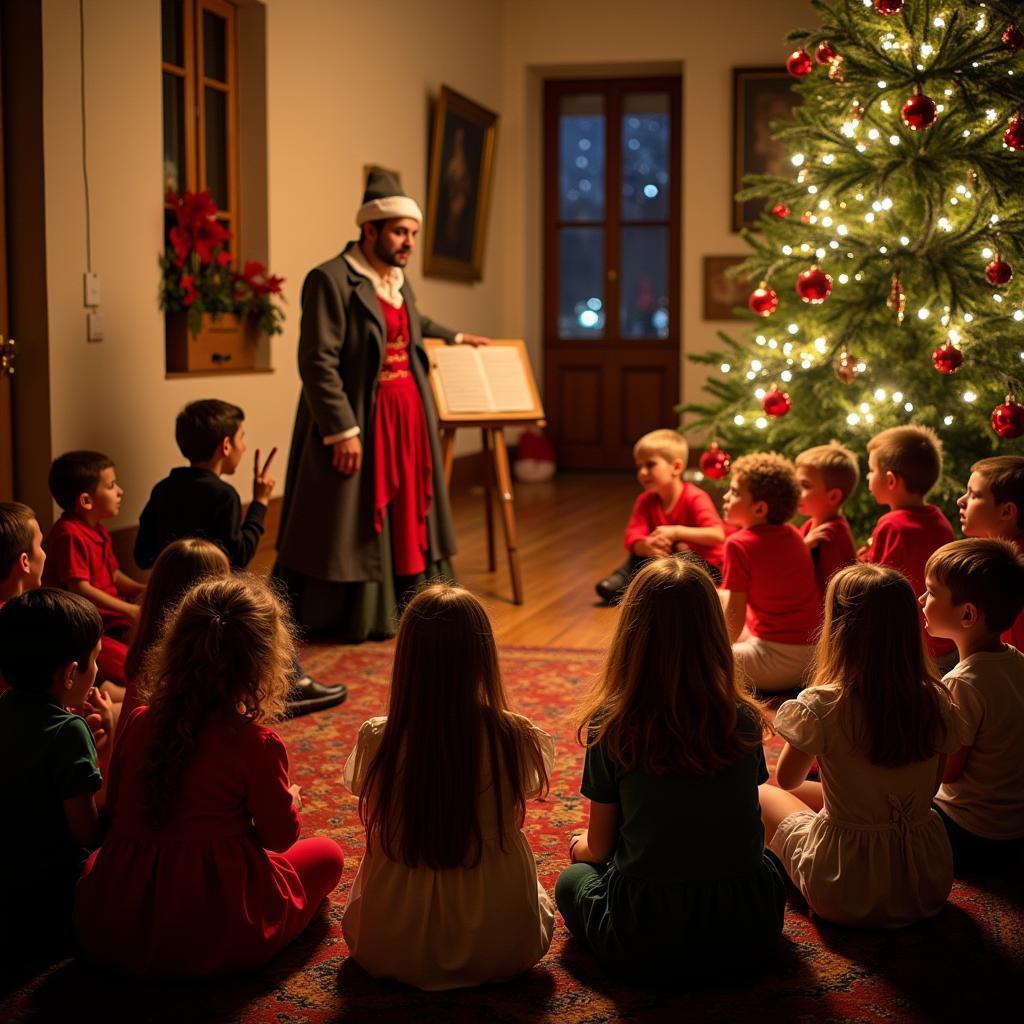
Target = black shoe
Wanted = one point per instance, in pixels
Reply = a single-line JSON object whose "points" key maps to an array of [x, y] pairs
{"points": [[308, 695], [611, 587]]}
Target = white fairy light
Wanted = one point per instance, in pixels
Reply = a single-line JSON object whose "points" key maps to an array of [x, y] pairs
{"points": [[894, 140], [887, 203], [812, 190], [760, 339], [843, 278], [751, 375], [904, 240], [1018, 315], [833, 244], [869, 418], [787, 250], [886, 108], [842, 230], [738, 420], [861, 148], [826, 222], [805, 247], [869, 217], [953, 200], [861, 367], [897, 397], [874, 134], [760, 423], [786, 376], [986, 253], [853, 419], [806, 363], [793, 328], [997, 297], [991, 115], [883, 249], [882, 84], [945, 224], [787, 348], [923, 314], [948, 420], [927, 49], [755, 364], [880, 394], [759, 394], [725, 367], [772, 343], [968, 317], [797, 159], [939, 22], [994, 219], [821, 344], [909, 406], [828, 158], [970, 396], [864, 407], [819, 253], [823, 204]]}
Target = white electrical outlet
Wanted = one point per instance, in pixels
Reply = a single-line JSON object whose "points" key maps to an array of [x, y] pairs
{"points": [[95, 326], [92, 289]]}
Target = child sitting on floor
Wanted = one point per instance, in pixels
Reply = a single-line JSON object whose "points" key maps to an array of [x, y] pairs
{"points": [[671, 515], [447, 894], [180, 565], [202, 871], [903, 465], [80, 554], [975, 588], [673, 761], [863, 846], [826, 475], [993, 506], [769, 590], [21, 550], [49, 641], [195, 502]]}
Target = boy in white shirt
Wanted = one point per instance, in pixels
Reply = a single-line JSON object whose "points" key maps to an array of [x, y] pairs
{"points": [[974, 590]]}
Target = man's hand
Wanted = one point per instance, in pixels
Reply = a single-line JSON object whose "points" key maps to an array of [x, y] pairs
{"points": [[262, 485], [347, 455], [474, 339]]}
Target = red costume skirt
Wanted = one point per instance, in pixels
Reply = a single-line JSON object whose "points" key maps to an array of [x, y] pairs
{"points": [[403, 472]]}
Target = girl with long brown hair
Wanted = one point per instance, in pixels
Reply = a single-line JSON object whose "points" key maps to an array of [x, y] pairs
{"points": [[671, 876], [202, 871], [863, 845], [447, 893]]}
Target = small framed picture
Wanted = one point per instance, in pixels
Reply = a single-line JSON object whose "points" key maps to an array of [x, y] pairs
{"points": [[458, 190], [723, 293], [760, 97]]}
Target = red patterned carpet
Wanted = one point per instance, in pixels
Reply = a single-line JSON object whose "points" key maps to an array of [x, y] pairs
{"points": [[967, 962]]}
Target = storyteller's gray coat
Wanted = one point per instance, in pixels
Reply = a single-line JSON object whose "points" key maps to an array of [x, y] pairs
{"points": [[327, 529]]}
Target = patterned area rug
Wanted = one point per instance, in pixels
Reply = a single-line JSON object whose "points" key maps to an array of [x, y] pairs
{"points": [[955, 967]]}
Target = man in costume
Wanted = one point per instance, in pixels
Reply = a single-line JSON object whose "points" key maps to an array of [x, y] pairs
{"points": [[365, 515]]}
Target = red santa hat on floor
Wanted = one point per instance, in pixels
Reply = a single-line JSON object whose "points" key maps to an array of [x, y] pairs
{"points": [[385, 200]]}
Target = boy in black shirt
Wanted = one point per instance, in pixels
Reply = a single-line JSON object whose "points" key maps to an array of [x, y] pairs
{"points": [[195, 502]]}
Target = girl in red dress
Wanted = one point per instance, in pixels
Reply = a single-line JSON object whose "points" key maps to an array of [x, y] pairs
{"points": [[201, 872]]}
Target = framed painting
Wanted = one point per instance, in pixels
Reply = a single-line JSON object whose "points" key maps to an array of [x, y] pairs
{"points": [[458, 187], [760, 96], [723, 293]]}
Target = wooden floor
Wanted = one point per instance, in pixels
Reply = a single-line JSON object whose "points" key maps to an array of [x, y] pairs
{"points": [[570, 536]]}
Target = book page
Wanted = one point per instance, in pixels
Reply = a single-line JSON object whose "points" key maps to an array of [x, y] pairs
{"points": [[509, 384], [462, 379]]}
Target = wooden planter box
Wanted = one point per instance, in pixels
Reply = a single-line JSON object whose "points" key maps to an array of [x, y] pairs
{"points": [[224, 342]]}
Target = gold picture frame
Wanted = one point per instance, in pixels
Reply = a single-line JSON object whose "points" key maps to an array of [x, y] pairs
{"points": [[761, 96], [459, 186]]}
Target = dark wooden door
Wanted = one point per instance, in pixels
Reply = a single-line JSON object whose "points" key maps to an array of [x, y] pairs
{"points": [[6, 344], [611, 264]]}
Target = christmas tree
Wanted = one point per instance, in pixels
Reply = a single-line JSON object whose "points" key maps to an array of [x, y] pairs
{"points": [[886, 261]]}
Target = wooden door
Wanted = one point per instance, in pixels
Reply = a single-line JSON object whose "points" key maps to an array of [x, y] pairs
{"points": [[612, 197], [6, 344]]}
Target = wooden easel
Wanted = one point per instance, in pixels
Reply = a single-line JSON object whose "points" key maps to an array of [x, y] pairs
{"points": [[497, 474]]}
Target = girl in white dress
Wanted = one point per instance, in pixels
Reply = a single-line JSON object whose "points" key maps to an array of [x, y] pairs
{"points": [[864, 846], [447, 894]]}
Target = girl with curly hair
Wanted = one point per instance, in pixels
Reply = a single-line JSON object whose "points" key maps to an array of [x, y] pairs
{"points": [[202, 871]]}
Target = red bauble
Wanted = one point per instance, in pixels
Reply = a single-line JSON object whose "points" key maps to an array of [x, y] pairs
{"points": [[825, 54], [919, 112], [763, 300], [1013, 38], [799, 64], [999, 271], [775, 402], [888, 7], [1008, 418], [1013, 137], [948, 358], [814, 285], [714, 463], [781, 210]]}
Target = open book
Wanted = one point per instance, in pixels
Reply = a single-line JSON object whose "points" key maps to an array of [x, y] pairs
{"points": [[491, 378]]}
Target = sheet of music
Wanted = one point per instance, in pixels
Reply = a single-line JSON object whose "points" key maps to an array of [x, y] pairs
{"points": [[510, 388], [462, 378]]}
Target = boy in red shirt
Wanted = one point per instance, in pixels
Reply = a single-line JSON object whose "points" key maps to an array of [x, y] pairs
{"points": [[80, 553], [994, 507], [827, 475], [903, 466], [769, 590], [670, 516]]}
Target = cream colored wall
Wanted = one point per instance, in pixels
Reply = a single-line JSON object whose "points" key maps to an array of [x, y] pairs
{"points": [[339, 95], [549, 38], [342, 93]]}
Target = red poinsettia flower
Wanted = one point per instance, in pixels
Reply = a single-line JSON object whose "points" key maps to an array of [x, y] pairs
{"points": [[187, 285], [223, 258], [255, 275]]}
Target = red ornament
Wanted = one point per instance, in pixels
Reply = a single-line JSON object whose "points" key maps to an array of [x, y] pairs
{"points": [[947, 358], [714, 463], [775, 402], [781, 210], [888, 7], [919, 112], [1013, 38], [814, 285], [825, 54], [799, 64], [999, 271], [845, 366], [1013, 137], [1008, 418], [763, 300]]}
